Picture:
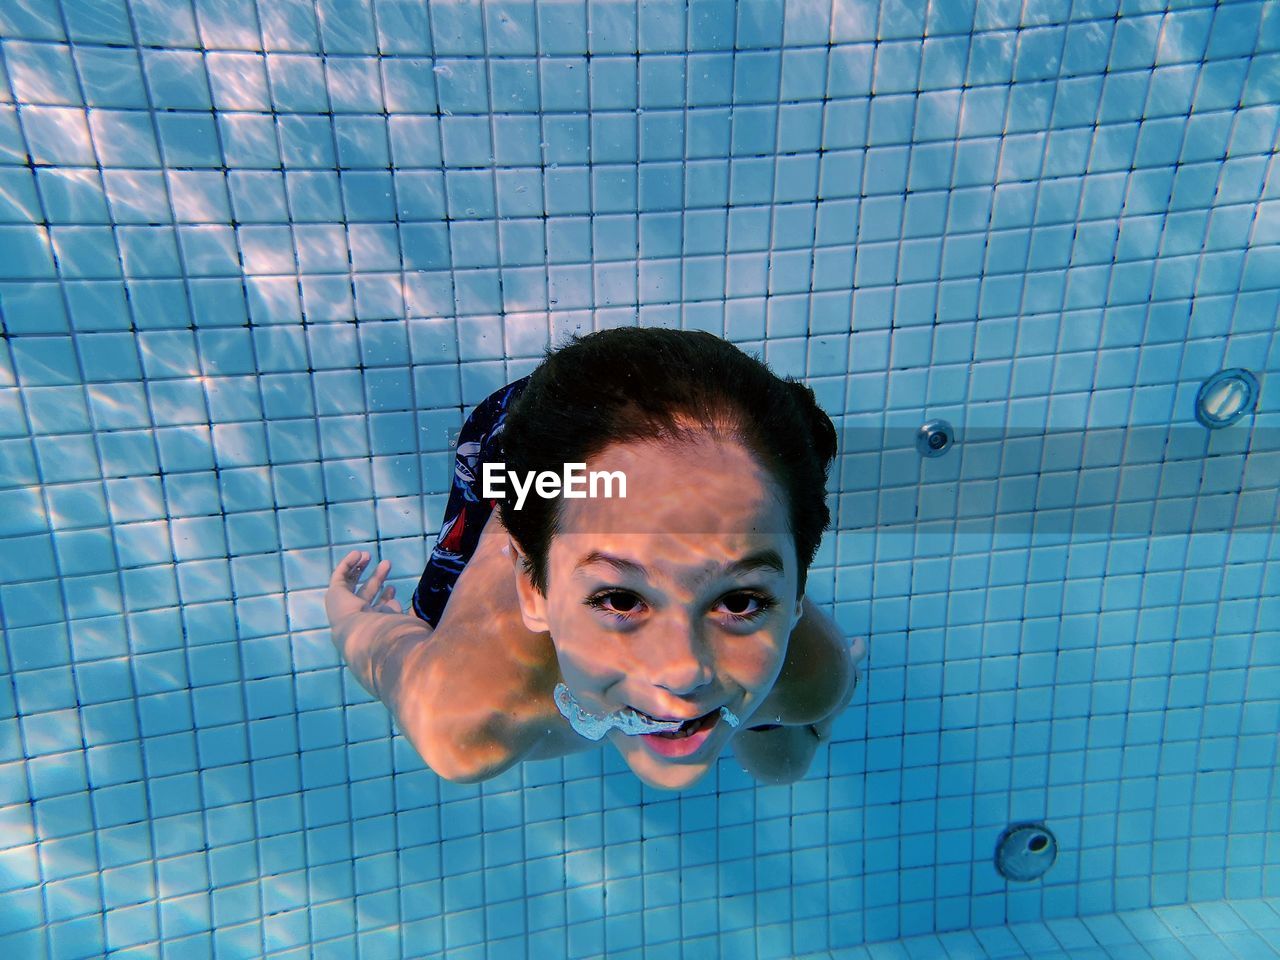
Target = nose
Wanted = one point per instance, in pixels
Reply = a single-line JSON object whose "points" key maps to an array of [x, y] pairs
{"points": [[680, 662]]}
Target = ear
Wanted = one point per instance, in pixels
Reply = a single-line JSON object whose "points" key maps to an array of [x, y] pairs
{"points": [[533, 605], [801, 608]]}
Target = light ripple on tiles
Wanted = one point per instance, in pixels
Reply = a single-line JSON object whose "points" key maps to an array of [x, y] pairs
{"points": [[198, 196], [41, 73]]}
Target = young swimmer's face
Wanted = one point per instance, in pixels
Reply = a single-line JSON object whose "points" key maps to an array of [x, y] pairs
{"points": [[678, 622]]}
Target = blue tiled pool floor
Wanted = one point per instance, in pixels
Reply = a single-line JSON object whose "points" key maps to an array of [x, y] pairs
{"points": [[1220, 930]]}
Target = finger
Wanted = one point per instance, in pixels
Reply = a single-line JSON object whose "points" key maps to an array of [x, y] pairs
{"points": [[356, 570], [368, 591], [371, 586], [346, 569], [858, 649], [388, 600]]}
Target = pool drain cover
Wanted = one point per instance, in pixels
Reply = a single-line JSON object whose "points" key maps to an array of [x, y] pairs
{"points": [[1026, 851]]}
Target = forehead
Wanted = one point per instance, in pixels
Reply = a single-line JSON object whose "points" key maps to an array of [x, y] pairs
{"points": [[703, 488]]}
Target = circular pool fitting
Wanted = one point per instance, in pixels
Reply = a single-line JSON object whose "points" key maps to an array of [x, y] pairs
{"points": [[1026, 851], [935, 438], [1226, 397]]}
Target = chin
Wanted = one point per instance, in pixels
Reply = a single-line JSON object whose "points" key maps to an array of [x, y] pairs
{"points": [[673, 777], [661, 775]]}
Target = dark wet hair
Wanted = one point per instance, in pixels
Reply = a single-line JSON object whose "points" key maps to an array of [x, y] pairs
{"points": [[631, 384]]}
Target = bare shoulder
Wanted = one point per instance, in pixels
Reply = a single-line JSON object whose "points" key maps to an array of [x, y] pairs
{"points": [[501, 674], [499, 660], [816, 675]]}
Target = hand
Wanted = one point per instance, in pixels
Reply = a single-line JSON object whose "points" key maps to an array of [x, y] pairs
{"points": [[346, 596], [799, 714], [857, 652], [819, 673]]}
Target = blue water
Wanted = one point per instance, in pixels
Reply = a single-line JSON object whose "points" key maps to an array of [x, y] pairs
{"points": [[259, 261]]}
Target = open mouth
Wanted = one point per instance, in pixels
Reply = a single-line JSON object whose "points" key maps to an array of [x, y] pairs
{"points": [[686, 741], [689, 727]]}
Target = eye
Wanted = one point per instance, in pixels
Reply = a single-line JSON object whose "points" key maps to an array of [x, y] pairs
{"points": [[739, 605], [614, 603]]}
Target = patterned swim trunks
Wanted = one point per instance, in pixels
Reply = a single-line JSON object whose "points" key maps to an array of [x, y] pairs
{"points": [[479, 442]]}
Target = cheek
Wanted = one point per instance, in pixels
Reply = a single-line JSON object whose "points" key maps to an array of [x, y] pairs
{"points": [[590, 659], [755, 663]]}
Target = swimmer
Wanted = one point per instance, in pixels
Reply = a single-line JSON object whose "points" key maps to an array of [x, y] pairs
{"points": [[670, 624]]}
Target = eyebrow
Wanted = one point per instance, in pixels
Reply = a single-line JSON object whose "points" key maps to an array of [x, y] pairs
{"points": [[761, 560]]}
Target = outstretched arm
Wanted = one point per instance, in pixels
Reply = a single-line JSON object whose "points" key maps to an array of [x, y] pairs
{"points": [[368, 626], [390, 654], [473, 695]]}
